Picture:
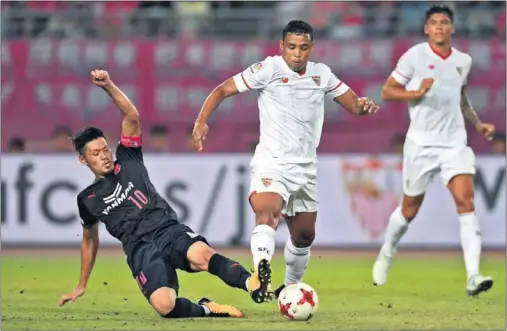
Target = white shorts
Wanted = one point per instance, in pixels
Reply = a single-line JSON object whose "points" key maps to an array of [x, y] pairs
{"points": [[422, 163], [296, 184]]}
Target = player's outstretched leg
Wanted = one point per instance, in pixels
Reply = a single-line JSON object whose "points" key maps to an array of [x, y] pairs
{"points": [[165, 301], [267, 207], [297, 248], [462, 191], [204, 258], [398, 225]]}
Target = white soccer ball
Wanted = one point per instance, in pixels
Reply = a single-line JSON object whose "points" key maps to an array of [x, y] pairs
{"points": [[298, 302]]}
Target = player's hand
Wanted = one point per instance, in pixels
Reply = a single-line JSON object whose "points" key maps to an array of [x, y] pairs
{"points": [[367, 106], [486, 129], [426, 85], [199, 134], [101, 78], [72, 296]]}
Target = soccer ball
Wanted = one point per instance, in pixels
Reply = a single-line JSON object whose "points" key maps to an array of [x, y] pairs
{"points": [[298, 302]]}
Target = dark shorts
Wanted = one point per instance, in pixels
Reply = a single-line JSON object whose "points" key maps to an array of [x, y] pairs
{"points": [[154, 258]]}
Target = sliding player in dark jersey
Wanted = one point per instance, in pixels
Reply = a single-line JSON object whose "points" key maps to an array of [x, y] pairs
{"points": [[156, 244]]}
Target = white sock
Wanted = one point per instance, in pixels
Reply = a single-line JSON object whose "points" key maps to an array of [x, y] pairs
{"points": [[397, 227], [296, 260], [471, 242], [262, 243]]}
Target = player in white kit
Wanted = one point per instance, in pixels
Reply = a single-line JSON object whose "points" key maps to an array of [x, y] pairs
{"points": [[432, 77], [291, 92]]}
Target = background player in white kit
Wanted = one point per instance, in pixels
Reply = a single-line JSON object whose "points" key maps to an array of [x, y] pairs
{"points": [[432, 76], [291, 109]]}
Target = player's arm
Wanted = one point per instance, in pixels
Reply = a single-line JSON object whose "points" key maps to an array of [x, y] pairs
{"points": [[347, 98], [130, 126], [255, 77], [394, 89], [89, 249], [488, 130]]}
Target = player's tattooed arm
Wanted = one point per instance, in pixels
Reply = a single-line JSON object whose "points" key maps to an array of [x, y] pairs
{"points": [[355, 105], [486, 129], [467, 109], [130, 126]]}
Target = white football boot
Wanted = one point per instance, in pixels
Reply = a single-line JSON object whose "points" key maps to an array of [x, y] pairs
{"points": [[381, 268], [477, 284]]}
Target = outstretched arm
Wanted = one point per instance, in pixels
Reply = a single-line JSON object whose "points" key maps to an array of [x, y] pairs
{"points": [[347, 98], [216, 97], [130, 126], [255, 77], [355, 105], [89, 248]]}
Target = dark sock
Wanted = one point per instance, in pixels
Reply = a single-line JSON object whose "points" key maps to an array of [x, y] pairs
{"points": [[185, 308], [230, 272]]}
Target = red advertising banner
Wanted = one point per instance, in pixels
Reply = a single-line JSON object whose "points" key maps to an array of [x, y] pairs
{"points": [[46, 82]]}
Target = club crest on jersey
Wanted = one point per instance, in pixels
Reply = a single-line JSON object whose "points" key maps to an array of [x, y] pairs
{"points": [[266, 181], [117, 169], [255, 68], [316, 80], [117, 197]]}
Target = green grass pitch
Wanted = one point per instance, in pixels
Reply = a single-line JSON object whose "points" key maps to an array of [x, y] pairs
{"points": [[422, 293]]}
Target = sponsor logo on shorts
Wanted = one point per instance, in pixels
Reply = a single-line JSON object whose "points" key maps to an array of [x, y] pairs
{"points": [[373, 188], [266, 181]]}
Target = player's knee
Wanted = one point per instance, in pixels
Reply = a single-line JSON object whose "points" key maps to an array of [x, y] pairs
{"points": [[163, 301], [410, 207], [304, 239], [267, 217], [199, 255], [464, 203]]}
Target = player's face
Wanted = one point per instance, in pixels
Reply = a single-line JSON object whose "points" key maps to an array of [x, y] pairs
{"points": [[296, 50], [98, 157], [439, 29]]}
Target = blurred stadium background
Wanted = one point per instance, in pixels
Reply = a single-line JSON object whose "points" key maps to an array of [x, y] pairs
{"points": [[167, 56]]}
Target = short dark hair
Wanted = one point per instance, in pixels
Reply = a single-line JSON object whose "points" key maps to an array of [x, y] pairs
{"points": [[158, 130], [439, 9], [84, 136], [298, 27]]}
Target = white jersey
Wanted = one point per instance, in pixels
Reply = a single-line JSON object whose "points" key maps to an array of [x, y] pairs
{"points": [[291, 108], [435, 120]]}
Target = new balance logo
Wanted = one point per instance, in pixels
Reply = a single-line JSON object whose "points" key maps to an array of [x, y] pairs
{"points": [[115, 199]]}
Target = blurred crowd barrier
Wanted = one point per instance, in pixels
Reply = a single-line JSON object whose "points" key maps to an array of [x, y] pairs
{"points": [[167, 57]]}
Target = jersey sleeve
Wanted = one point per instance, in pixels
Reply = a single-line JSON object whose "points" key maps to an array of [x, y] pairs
{"points": [[87, 219], [335, 87], [405, 68], [130, 148], [255, 77]]}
